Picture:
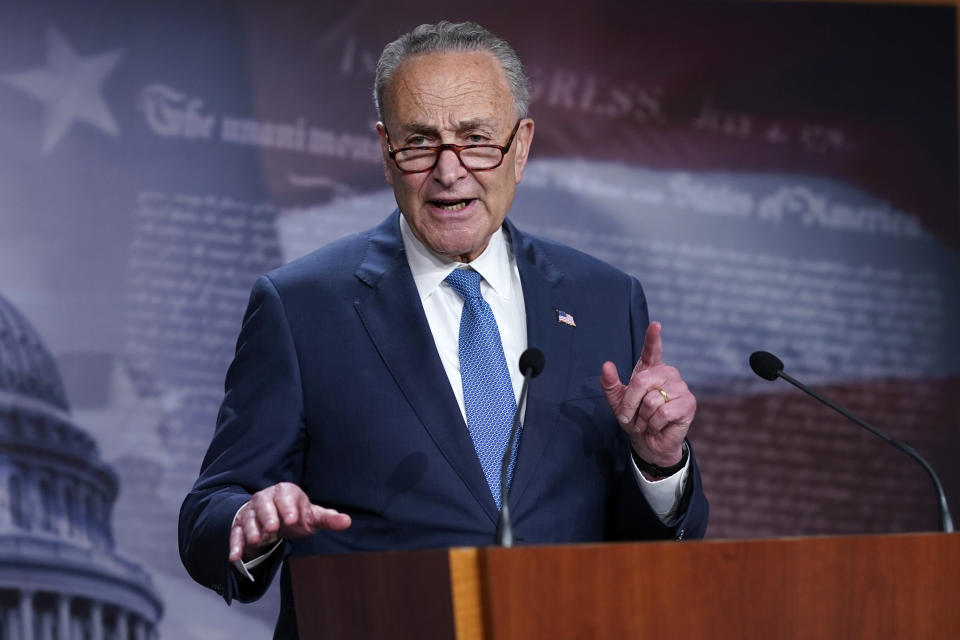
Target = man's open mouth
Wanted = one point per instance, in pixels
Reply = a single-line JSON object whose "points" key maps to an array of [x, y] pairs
{"points": [[451, 205]]}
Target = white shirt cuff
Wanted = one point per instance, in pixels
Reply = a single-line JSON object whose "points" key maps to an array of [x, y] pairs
{"points": [[663, 495], [243, 568]]}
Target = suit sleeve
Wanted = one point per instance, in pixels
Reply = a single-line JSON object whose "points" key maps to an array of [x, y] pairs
{"points": [[633, 519], [258, 441]]}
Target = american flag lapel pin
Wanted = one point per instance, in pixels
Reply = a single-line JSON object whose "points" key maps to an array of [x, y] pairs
{"points": [[565, 318]]}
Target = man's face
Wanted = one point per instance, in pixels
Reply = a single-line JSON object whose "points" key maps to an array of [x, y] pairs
{"points": [[459, 98]]}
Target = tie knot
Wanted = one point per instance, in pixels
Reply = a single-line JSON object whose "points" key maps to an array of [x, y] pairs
{"points": [[466, 282]]}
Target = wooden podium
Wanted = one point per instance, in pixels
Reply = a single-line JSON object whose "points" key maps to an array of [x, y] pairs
{"points": [[890, 586]]}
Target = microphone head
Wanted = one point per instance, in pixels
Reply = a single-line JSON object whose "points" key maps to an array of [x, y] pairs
{"points": [[531, 362], [765, 364]]}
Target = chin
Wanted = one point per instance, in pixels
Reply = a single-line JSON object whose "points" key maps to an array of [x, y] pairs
{"points": [[455, 250], [457, 241]]}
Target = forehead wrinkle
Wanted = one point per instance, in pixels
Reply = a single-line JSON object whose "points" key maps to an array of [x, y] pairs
{"points": [[418, 96], [428, 99]]}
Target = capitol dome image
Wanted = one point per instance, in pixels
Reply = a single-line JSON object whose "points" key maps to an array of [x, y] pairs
{"points": [[61, 577]]}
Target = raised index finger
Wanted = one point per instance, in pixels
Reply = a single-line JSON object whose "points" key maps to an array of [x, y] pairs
{"points": [[652, 354]]}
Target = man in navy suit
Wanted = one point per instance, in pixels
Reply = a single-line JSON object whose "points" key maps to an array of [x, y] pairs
{"points": [[350, 421]]}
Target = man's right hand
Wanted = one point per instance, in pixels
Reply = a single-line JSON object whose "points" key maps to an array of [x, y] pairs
{"points": [[279, 511]]}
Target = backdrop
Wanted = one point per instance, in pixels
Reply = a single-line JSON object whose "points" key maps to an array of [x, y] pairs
{"points": [[778, 176]]}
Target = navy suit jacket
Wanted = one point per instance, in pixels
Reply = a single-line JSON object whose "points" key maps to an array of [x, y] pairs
{"points": [[337, 386]]}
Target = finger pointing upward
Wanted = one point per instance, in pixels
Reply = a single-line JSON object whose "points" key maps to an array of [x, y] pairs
{"points": [[652, 354]]}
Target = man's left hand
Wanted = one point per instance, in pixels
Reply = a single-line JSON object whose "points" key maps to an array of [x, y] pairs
{"points": [[655, 408]]}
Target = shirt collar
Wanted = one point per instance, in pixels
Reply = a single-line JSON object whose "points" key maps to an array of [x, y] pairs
{"points": [[429, 269]]}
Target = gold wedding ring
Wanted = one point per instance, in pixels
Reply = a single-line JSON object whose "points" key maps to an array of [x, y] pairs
{"points": [[666, 398]]}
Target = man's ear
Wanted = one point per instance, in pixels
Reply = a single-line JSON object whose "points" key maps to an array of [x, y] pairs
{"points": [[523, 141], [384, 146]]}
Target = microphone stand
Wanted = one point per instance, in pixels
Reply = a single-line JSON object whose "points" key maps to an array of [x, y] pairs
{"points": [[946, 522], [505, 525]]}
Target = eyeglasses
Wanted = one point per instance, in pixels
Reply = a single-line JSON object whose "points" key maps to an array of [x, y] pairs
{"points": [[475, 157]]}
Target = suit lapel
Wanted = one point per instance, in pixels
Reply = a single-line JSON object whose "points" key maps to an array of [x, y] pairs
{"points": [[393, 317], [542, 295]]}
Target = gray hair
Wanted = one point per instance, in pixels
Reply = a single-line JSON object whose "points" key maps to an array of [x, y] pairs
{"points": [[446, 37]]}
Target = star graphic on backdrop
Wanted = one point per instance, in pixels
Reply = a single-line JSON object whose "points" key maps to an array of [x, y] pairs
{"points": [[69, 88], [128, 421]]}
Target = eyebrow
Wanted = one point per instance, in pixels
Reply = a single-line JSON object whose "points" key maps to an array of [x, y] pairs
{"points": [[463, 125], [422, 129], [476, 123]]}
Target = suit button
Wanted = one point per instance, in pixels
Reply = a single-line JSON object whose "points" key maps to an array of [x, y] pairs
{"points": [[680, 534]]}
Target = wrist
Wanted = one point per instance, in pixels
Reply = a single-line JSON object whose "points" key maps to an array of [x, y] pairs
{"points": [[264, 545], [662, 467]]}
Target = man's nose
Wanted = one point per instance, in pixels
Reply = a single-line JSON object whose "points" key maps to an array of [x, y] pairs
{"points": [[449, 169]]}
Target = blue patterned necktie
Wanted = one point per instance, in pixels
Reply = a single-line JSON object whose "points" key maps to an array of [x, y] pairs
{"points": [[487, 390]]}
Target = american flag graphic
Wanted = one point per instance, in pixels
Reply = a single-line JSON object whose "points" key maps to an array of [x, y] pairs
{"points": [[565, 318]]}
